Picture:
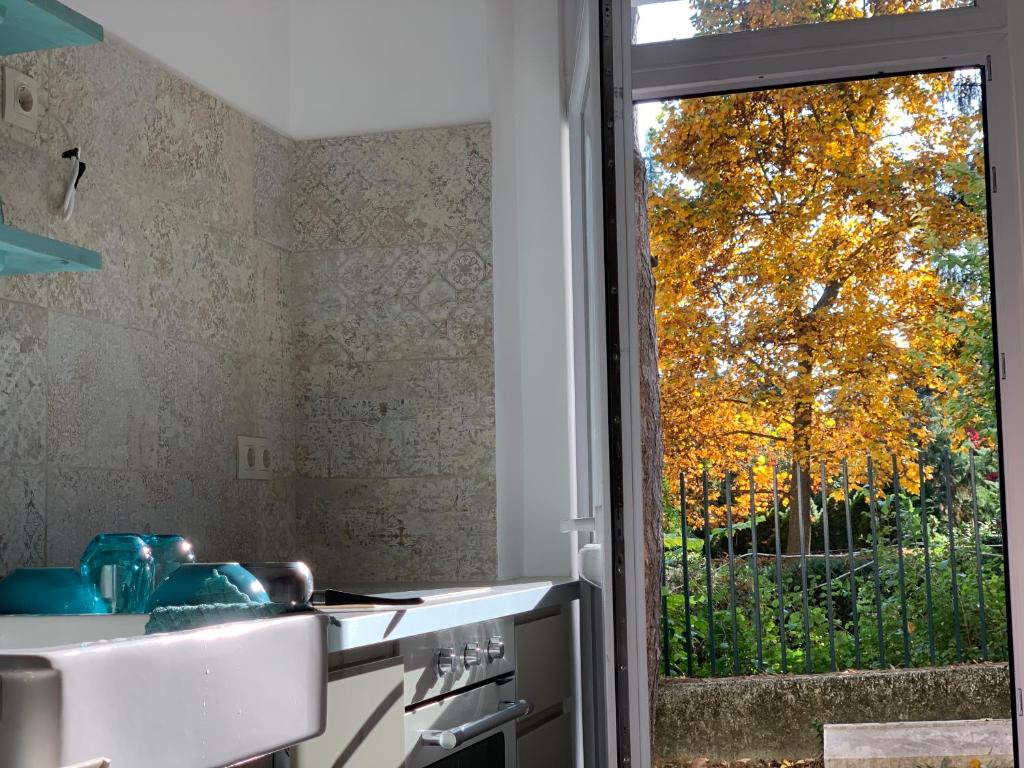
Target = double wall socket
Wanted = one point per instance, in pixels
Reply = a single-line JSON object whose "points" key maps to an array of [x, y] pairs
{"points": [[22, 107], [255, 458]]}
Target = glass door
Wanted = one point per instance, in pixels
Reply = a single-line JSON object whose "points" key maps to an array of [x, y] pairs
{"points": [[612, 623]]}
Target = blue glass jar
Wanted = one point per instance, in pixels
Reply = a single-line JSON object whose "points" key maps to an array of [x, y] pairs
{"points": [[120, 565]]}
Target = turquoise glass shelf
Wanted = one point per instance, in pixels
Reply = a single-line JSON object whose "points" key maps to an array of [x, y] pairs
{"points": [[34, 25], [23, 253]]}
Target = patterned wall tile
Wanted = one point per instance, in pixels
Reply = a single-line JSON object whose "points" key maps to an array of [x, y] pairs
{"points": [[25, 205], [271, 326], [203, 153], [392, 307], [22, 517], [396, 529], [400, 188], [226, 519], [23, 349], [83, 502], [467, 446], [102, 98], [111, 294], [366, 354], [175, 502], [95, 394], [373, 391], [169, 423], [271, 533], [411, 303], [466, 385], [274, 196], [200, 282], [411, 447], [136, 122], [179, 344]]}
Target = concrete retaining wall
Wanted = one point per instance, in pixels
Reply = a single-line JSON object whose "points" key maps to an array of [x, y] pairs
{"points": [[781, 717]]}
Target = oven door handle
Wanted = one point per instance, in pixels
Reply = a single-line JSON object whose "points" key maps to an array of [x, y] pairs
{"points": [[460, 734]]}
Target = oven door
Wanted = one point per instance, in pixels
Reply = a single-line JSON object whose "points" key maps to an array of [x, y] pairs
{"points": [[471, 729]]}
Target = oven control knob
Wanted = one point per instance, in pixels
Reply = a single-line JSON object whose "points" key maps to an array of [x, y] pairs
{"points": [[445, 662], [473, 656], [495, 649]]}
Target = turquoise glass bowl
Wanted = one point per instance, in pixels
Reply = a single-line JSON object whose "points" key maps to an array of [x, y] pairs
{"points": [[170, 550], [198, 584], [49, 591]]}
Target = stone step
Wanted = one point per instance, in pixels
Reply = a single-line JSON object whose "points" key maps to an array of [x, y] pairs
{"points": [[934, 744]]}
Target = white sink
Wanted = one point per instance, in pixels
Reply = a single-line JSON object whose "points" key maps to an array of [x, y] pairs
{"points": [[20, 632], [204, 698]]}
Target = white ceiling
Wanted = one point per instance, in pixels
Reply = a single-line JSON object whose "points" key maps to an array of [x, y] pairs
{"points": [[317, 68]]}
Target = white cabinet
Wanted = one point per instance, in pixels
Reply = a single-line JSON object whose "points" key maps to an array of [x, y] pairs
{"points": [[549, 745], [364, 720], [544, 666]]}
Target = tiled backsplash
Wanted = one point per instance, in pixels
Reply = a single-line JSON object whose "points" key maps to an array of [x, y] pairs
{"points": [[122, 391], [392, 307]]}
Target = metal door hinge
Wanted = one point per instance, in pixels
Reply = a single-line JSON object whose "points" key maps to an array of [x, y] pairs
{"points": [[988, 68], [1002, 366], [995, 180], [1020, 703]]}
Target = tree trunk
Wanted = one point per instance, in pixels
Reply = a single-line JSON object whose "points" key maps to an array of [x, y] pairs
{"points": [[799, 499], [651, 446], [800, 481]]}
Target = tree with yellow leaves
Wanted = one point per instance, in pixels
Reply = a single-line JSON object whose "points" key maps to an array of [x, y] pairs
{"points": [[801, 316], [713, 17]]}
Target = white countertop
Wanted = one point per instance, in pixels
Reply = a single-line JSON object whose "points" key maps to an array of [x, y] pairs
{"points": [[444, 607]]}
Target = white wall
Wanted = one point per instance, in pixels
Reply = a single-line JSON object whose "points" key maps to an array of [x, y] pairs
{"points": [[531, 278], [375, 65], [318, 68], [236, 49]]}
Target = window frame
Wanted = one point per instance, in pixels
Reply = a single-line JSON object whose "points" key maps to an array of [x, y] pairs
{"points": [[888, 45], [810, 52]]}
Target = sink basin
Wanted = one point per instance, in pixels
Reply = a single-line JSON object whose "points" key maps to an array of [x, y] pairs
{"points": [[18, 633], [85, 687]]}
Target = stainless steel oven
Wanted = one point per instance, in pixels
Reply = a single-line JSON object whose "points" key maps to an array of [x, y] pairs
{"points": [[461, 705]]}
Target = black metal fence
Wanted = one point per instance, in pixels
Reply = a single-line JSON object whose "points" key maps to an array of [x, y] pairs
{"points": [[881, 577]]}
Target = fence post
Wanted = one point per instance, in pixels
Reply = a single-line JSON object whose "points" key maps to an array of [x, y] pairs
{"points": [[853, 565], [708, 579], [808, 663], [900, 568], [927, 559], [754, 570], [666, 645], [877, 573], [828, 571], [778, 569], [732, 574], [686, 574], [955, 588], [977, 558]]}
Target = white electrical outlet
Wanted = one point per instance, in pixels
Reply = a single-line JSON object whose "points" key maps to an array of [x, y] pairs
{"points": [[255, 459], [21, 100]]}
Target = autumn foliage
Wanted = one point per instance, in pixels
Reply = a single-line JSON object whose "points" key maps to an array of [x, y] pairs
{"points": [[723, 16], [801, 309]]}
